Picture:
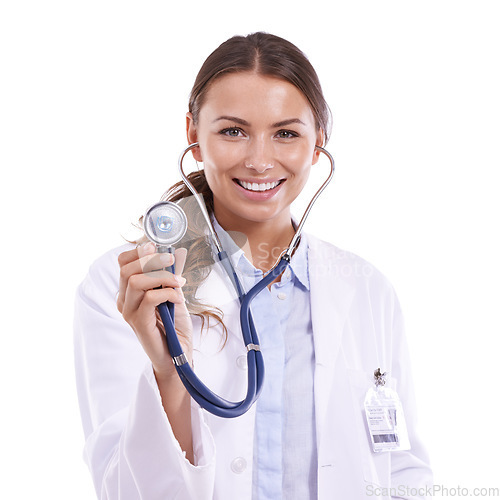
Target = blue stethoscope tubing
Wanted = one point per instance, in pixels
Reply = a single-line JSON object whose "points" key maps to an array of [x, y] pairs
{"points": [[255, 362]]}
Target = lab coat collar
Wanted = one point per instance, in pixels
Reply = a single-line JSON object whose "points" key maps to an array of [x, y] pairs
{"points": [[332, 295]]}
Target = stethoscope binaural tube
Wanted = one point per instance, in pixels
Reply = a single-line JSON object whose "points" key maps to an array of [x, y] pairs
{"points": [[255, 362]]}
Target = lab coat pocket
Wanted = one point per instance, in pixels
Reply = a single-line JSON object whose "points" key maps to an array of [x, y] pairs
{"points": [[376, 466]]}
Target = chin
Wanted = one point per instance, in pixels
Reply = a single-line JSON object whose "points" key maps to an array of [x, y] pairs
{"points": [[259, 214]]}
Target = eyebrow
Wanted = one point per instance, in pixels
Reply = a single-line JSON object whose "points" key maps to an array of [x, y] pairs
{"points": [[232, 119], [240, 121], [290, 121]]}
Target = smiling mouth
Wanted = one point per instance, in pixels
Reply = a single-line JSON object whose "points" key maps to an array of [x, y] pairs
{"points": [[258, 187]]}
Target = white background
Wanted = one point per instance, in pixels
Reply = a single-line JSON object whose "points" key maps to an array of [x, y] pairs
{"points": [[92, 102]]}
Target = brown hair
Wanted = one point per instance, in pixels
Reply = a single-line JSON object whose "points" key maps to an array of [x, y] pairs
{"points": [[264, 54], [268, 55]]}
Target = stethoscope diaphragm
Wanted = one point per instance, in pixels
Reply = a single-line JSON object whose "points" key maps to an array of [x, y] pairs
{"points": [[165, 223]]}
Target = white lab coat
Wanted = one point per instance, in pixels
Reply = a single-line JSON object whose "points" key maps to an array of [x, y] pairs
{"points": [[130, 447]]}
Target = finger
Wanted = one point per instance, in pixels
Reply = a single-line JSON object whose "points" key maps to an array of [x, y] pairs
{"points": [[139, 284], [146, 249], [151, 299], [146, 263], [144, 254], [130, 255], [125, 259], [180, 260], [154, 262]]}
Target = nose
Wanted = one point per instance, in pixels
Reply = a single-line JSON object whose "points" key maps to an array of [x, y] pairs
{"points": [[259, 156]]}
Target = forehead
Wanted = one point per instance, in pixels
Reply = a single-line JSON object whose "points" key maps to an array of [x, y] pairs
{"points": [[249, 93]]}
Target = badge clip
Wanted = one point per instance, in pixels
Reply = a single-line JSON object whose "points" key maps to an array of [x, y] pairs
{"points": [[385, 416]]}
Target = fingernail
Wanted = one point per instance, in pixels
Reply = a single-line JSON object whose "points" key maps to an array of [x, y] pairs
{"points": [[167, 259], [180, 280], [148, 248]]}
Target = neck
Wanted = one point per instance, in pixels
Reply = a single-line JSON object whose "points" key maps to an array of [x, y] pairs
{"points": [[264, 240]]}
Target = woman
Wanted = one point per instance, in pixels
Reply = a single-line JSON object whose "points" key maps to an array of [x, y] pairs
{"points": [[258, 113]]}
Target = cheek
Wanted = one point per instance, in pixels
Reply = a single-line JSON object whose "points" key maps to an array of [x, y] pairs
{"points": [[219, 158], [298, 156], [212, 177], [298, 161], [302, 176], [216, 172]]}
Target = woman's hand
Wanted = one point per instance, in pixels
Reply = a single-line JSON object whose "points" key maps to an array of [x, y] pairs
{"points": [[141, 273]]}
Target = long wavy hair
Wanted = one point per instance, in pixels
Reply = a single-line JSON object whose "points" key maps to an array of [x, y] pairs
{"points": [[264, 54]]}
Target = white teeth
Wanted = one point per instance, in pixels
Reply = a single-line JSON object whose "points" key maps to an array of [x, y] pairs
{"points": [[253, 186]]}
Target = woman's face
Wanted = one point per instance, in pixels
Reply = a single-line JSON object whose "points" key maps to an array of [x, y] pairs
{"points": [[257, 137]]}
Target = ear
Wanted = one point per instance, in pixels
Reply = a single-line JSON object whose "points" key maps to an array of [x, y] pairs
{"points": [[192, 136], [320, 141]]}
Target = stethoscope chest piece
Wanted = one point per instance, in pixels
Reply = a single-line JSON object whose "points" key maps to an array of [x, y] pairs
{"points": [[165, 223]]}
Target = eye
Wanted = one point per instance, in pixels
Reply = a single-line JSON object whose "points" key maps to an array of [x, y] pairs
{"points": [[231, 132], [286, 134]]}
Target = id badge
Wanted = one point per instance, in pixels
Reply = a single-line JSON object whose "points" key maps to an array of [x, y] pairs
{"points": [[385, 417]]}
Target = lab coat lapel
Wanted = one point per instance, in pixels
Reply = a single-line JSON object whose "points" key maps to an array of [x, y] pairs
{"points": [[331, 298]]}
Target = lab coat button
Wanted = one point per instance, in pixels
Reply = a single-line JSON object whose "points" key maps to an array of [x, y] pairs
{"points": [[241, 362], [281, 296], [238, 465]]}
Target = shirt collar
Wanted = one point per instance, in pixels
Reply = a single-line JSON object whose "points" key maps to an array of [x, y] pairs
{"points": [[298, 265], [299, 262]]}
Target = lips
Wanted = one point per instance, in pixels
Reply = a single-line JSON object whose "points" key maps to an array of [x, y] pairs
{"points": [[258, 191], [258, 186]]}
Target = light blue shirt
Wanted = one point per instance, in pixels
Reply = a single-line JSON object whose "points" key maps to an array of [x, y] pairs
{"points": [[285, 453]]}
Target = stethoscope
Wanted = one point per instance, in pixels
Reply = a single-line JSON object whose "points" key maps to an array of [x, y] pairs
{"points": [[165, 223]]}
